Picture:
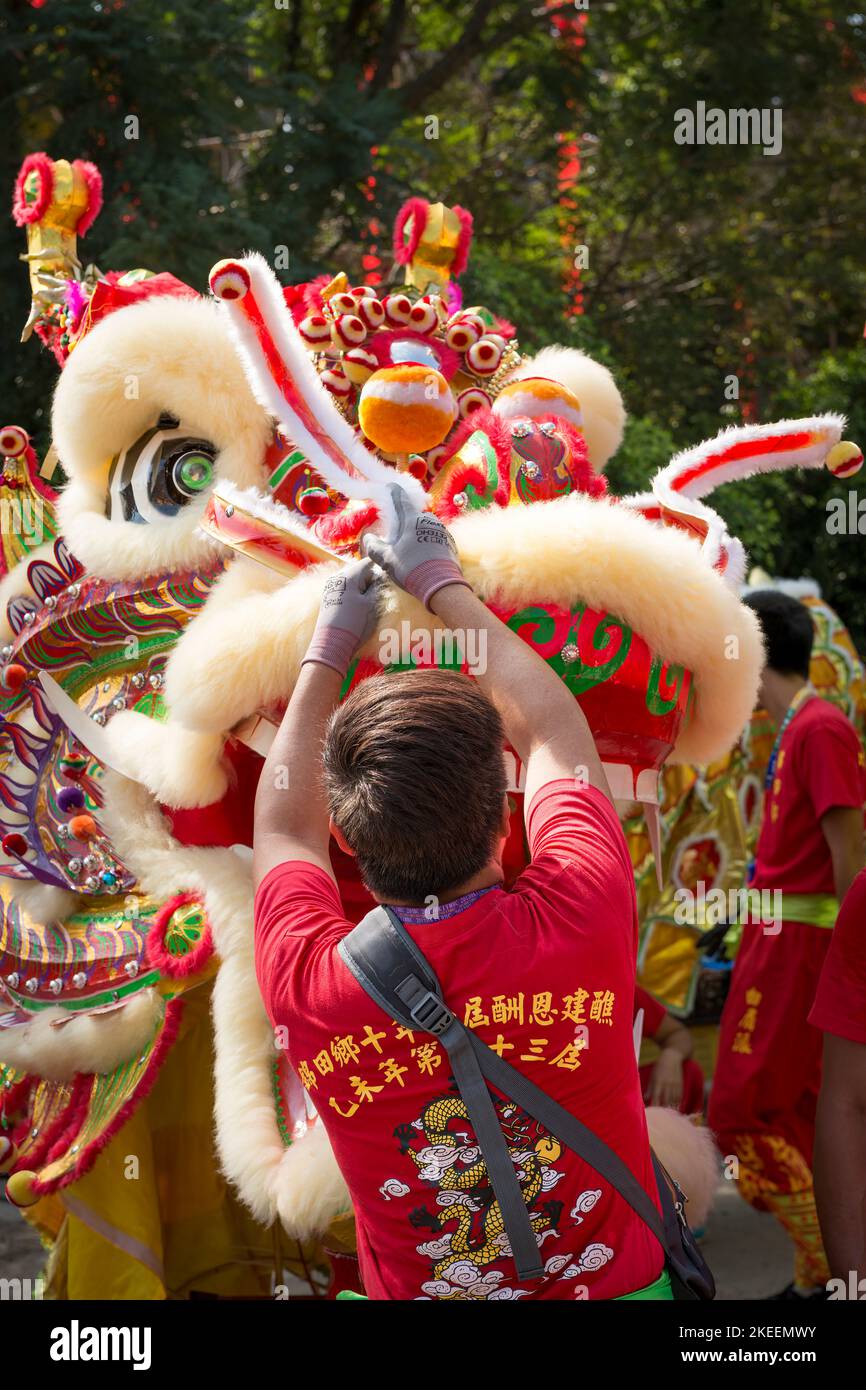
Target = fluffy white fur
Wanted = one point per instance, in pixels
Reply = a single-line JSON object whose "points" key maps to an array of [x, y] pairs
{"points": [[828, 428], [86, 1042], [171, 355], [600, 401], [179, 766], [243, 653], [302, 1184], [688, 1151], [41, 901], [128, 551], [245, 648], [673, 488]]}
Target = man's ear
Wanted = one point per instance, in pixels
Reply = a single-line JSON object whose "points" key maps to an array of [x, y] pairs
{"points": [[339, 837], [505, 824]]}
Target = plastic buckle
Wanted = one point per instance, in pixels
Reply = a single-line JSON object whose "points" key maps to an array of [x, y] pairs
{"points": [[431, 1014]]}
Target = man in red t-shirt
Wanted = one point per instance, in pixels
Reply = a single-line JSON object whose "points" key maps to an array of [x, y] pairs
{"points": [[765, 1089], [840, 1140], [409, 774]]}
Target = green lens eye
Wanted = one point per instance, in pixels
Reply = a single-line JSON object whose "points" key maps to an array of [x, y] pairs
{"points": [[194, 472]]}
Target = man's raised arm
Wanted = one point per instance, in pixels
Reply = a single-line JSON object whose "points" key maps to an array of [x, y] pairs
{"points": [[291, 816], [543, 721]]}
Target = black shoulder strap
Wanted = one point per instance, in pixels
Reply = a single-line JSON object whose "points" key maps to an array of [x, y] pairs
{"points": [[387, 963]]}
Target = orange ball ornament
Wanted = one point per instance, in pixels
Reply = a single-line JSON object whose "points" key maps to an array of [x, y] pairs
{"points": [[82, 827], [406, 409], [534, 396]]}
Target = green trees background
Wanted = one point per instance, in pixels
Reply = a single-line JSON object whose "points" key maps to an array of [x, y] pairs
{"points": [[296, 122]]}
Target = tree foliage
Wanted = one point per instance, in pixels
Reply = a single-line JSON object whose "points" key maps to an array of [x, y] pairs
{"points": [[303, 123]]}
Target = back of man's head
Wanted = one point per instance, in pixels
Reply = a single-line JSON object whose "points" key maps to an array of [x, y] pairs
{"points": [[788, 631], [415, 778]]}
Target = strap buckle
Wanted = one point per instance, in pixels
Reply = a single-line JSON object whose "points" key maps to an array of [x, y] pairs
{"points": [[429, 1012]]}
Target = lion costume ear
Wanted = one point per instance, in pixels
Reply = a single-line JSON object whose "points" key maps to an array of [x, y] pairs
{"points": [[730, 456]]}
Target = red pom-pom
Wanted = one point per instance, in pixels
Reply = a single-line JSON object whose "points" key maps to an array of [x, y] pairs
{"points": [[417, 466], [13, 676], [313, 501], [14, 845]]}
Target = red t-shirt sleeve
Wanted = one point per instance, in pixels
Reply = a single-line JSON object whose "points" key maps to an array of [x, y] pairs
{"points": [[653, 1011], [579, 855], [298, 922], [830, 766], [840, 1003], [577, 824]]}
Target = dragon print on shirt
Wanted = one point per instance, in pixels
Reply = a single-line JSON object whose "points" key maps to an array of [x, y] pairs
{"points": [[465, 1238]]}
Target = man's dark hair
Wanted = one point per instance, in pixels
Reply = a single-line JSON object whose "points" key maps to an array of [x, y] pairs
{"points": [[788, 631], [415, 780]]}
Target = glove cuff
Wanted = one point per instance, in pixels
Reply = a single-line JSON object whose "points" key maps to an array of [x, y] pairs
{"points": [[426, 580], [332, 646]]}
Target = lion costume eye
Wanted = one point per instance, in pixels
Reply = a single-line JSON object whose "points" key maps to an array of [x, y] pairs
{"points": [[158, 475]]}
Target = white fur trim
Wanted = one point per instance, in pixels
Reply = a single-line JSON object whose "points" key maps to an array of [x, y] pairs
{"points": [[163, 354], [270, 1179], [86, 1042], [674, 487], [116, 550], [240, 658], [688, 1152], [179, 767], [828, 427]]}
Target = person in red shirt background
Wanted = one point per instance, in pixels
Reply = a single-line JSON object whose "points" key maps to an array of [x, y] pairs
{"points": [[810, 847], [674, 1077], [409, 776], [840, 1140]]}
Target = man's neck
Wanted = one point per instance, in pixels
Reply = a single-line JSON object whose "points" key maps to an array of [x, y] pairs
{"points": [[779, 691], [489, 876]]}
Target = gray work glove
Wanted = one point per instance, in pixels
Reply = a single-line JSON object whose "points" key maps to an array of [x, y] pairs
{"points": [[347, 615], [419, 555]]}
